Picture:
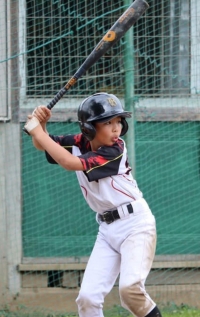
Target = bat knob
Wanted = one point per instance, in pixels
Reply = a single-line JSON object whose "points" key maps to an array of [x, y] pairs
{"points": [[25, 131]]}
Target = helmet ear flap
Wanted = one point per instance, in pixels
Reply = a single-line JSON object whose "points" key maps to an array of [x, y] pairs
{"points": [[124, 126], [88, 130]]}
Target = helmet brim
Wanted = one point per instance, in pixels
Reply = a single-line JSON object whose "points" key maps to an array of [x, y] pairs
{"points": [[125, 114]]}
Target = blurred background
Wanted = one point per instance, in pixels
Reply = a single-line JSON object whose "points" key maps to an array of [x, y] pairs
{"points": [[47, 230]]}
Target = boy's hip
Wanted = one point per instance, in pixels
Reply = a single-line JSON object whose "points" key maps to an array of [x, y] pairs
{"points": [[124, 211]]}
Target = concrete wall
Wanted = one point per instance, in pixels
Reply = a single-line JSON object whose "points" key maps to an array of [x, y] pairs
{"points": [[10, 209]]}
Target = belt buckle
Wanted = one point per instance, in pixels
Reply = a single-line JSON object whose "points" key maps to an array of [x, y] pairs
{"points": [[107, 217]]}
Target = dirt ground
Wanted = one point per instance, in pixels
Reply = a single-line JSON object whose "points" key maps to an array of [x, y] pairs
{"points": [[63, 300]]}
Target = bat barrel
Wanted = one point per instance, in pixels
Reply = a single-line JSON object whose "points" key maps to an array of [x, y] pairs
{"points": [[129, 18], [121, 26]]}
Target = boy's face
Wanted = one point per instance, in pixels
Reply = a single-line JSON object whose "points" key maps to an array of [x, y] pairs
{"points": [[107, 133]]}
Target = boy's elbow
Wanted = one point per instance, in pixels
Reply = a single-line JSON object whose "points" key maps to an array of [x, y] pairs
{"points": [[71, 164], [37, 145]]}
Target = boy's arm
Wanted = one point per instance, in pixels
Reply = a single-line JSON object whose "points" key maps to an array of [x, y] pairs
{"points": [[57, 152]]}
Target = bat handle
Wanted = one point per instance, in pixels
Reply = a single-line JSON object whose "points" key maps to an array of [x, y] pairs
{"points": [[57, 97], [25, 131]]}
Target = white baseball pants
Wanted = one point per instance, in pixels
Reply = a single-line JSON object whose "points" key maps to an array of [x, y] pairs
{"points": [[125, 247]]}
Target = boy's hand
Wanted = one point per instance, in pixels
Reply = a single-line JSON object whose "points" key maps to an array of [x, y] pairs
{"points": [[39, 116], [42, 113]]}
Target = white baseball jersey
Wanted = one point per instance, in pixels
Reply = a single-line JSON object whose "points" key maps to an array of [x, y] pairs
{"points": [[106, 181]]}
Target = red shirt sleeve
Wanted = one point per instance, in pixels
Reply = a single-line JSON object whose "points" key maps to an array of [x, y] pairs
{"points": [[98, 164], [104, 162], [67, 142]]}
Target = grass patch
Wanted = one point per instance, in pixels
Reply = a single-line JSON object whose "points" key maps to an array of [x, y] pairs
{"points": [[180, 311], [171, 310]]}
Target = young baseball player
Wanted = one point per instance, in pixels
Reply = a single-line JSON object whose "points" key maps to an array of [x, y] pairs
{"points": [[126, 241]]}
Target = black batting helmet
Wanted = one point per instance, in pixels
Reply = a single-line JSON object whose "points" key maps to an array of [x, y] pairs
{"points": [[100, 107]]}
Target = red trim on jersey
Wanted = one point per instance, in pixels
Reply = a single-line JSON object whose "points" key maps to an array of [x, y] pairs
{"points": [[77, 139], [120, 190], [85, 190]]}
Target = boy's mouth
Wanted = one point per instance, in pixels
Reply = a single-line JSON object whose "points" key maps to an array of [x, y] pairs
{"points": [[115, 139]]}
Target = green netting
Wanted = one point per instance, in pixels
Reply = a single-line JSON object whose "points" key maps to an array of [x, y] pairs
{"points": [[46, 228]]}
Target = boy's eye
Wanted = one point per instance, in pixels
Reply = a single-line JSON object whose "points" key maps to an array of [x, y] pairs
{"points": [[110, 122]]}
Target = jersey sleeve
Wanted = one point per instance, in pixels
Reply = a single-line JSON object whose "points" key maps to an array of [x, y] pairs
{"points": [[104, 162], [67, 142]]}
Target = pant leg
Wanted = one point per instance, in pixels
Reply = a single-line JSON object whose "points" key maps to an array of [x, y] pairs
{"points": [[137, 253], [99, 277]]}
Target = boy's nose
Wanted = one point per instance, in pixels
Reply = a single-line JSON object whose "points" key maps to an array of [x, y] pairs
{"points": [[116, 127]]}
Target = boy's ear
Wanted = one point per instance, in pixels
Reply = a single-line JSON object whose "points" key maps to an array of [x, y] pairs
{"points": [[124, 127], [88, 130]]}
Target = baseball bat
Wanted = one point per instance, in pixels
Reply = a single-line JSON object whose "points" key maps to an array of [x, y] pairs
{"points": [[119, 28]]}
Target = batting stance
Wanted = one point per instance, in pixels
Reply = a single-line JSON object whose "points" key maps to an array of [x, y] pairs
{"points": [[126, 240]]}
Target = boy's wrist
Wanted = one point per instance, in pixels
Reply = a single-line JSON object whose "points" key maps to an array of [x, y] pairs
{"points": [[31, 124]]}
